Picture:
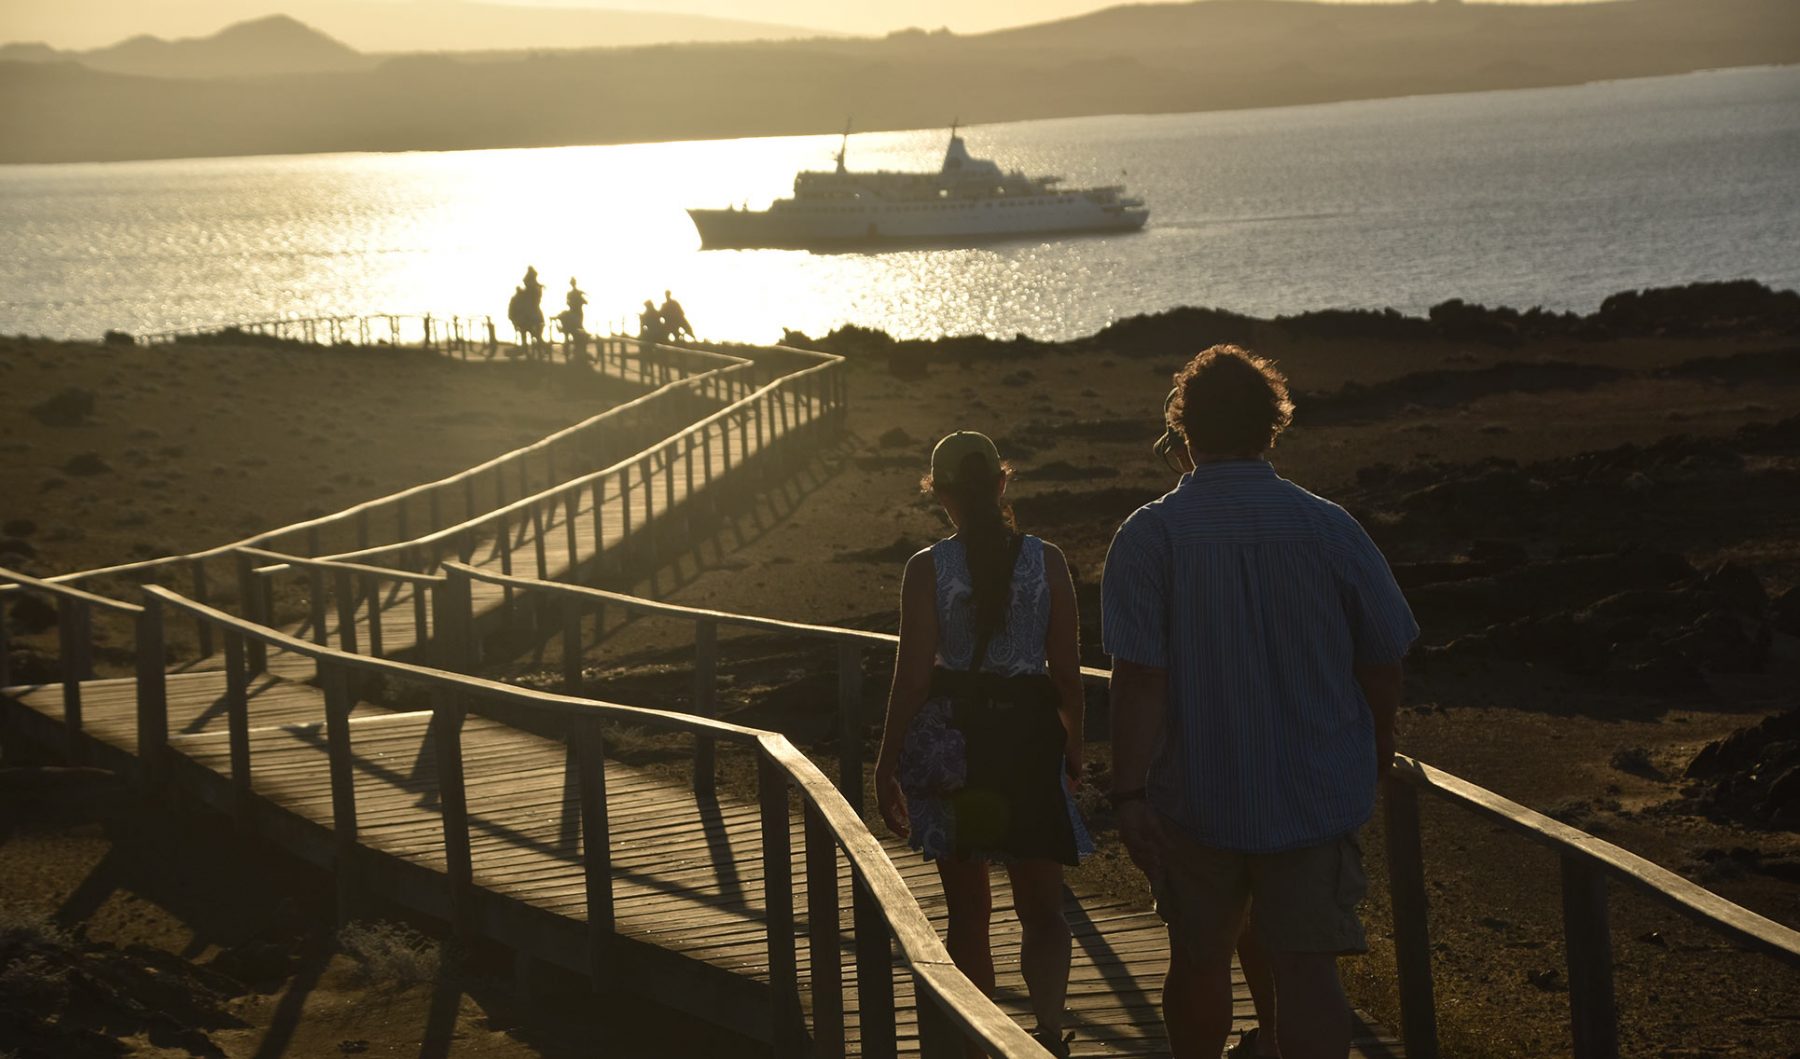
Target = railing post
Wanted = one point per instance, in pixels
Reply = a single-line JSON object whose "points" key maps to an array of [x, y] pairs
{"points": [[316, 588], [874, 972], [237, 723], [850, 723], [822, 936], [152, 694], [346, 609], [938, 1036], [458, 648], [706, 684], [597, 493], [537, 530], [572, 500], [202, 629], [423, 618], [250, 601], [596, 846], [370, 591], [74, 635], [1412, 932], [571, 643], [789, 1031], [447, 715], [504, 540], [1593, 1014], [5, 648], [346, 858]]}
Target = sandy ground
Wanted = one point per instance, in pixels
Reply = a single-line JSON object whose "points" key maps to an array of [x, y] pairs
{"points": [[1518, 488], [193, 446]]}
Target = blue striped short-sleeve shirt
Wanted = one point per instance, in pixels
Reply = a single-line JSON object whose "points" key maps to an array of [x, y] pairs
{"points": [[1259, 599]]}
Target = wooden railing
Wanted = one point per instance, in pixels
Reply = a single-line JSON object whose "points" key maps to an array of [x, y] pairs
{"points": [[451, 334], [695, 382], [353, 589], [74, 644], [574, 603], [776, 416], [951, 1009], [1587, 861]]}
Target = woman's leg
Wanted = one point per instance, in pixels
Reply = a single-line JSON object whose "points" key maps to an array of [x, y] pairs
{"points": [[966, 892], [1044, 949]]}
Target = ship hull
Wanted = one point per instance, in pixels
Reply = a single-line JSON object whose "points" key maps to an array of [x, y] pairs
{"points": [[790, 225]]}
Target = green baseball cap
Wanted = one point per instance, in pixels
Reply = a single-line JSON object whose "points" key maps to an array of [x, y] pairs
{"points": [[955, 449]]}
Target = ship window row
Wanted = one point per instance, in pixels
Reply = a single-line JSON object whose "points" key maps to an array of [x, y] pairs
{"points": [[888, 208]]}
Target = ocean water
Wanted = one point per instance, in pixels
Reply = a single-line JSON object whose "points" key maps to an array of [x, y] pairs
{"points": [[1552, 197]]}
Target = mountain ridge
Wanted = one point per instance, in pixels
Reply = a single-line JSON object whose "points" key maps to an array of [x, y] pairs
{"points": [[1226, 54]]}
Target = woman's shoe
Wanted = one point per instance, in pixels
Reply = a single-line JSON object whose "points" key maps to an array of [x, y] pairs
{"points": [[1053, 1042], [1245, 1048]]}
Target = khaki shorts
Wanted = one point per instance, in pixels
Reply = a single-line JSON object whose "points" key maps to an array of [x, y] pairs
{"points": [[1303, 900]]}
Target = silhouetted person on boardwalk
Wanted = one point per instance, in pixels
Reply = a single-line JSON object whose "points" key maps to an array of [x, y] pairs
{"points": [[675, 321], [527, 318], [572, 319], [983, 735], [533, 288], [650, 324], [1257, 635], [576, 300]]}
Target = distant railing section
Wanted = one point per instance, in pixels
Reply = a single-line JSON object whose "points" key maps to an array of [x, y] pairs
{"points": [[452, 334]]}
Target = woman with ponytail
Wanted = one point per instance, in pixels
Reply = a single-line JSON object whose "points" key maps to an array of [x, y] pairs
{"points": [[982, 744]]}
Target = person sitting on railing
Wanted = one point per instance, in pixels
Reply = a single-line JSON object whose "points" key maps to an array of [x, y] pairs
{"points": [[983, 737], [1256, 634]]}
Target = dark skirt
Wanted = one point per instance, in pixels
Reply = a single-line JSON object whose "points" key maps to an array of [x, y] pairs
{"points": [[1015, 803]]}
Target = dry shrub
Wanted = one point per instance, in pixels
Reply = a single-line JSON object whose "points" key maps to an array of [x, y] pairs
{"points": [[391, 954]]}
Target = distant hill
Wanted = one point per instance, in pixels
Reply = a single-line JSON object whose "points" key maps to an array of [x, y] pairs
{"points": [[266, 46], [388, 25], [1139, 59]]}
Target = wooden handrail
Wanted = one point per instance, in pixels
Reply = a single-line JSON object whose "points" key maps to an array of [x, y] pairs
{"points": [[280, 562], [661, 448], [950, 995], [1736, 922], [641, 605], [25, 582]]}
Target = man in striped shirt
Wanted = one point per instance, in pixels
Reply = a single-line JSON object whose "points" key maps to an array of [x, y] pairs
{"points": [[1257, 635]]}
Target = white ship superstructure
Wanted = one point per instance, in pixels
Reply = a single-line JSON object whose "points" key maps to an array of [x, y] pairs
{"points": [[969, 199]]}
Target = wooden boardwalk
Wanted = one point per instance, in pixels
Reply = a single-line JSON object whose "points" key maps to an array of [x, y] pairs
{"points": [[688, 902], [488, 808], [687, 870]]}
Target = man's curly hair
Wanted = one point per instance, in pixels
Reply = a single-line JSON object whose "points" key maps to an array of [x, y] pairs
{"points": [[1230, 402]]}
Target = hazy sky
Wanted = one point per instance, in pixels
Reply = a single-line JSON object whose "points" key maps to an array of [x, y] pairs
{"points": [[90, 23], [880, 16]]}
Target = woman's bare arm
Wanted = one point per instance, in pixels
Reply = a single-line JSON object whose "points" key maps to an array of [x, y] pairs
{"points": [[912, 679], [1062, 648]]}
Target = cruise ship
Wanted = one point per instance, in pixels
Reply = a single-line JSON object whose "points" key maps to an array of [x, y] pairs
{"points": [[968, 200]]}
